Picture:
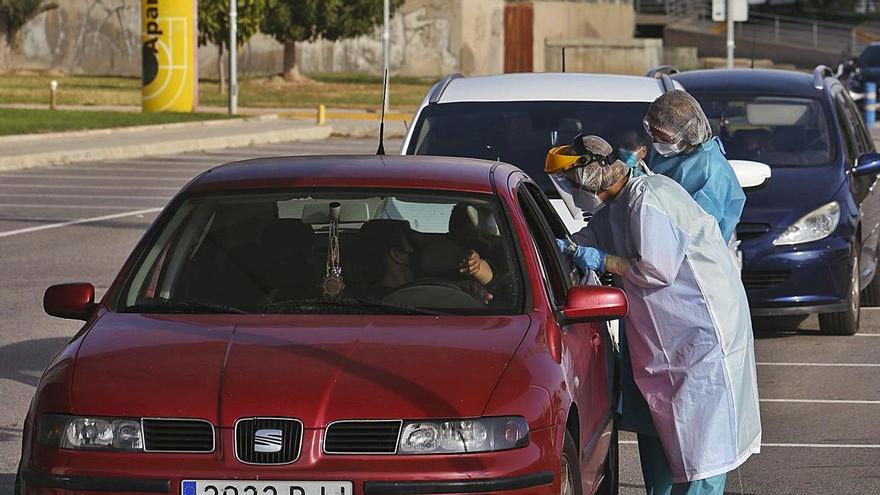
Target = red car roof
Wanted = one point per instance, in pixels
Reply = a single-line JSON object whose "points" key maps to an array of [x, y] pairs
{"points": [[389, 171]]}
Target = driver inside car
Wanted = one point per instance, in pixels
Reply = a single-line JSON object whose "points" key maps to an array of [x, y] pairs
{"points": [[389, 256]]}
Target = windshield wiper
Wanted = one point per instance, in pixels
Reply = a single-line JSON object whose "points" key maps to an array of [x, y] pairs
{"points": [[194, 307], [354, 304]]}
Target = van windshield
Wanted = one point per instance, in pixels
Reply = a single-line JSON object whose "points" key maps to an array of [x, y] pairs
{"points": [[521, 132], [778, 131]]}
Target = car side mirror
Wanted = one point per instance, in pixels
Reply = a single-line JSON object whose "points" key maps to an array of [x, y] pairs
{"points": [[71, 301], [594, 303], [750, 174], [869, 163]]}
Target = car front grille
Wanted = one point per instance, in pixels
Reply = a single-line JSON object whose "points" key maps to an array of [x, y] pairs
{"points": [[178, 435], [746, 231], [362, 437], [764, 280], [268, 440]]}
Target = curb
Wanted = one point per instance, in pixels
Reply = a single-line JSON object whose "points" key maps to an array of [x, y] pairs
{"points": [[17, 138], [166, 147]]}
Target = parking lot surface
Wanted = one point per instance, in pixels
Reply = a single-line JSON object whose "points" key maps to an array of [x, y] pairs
{"points": [[820, 395]]}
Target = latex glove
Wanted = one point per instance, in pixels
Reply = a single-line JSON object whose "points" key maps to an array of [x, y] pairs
{"points": [[566, 247], [589, 258]]}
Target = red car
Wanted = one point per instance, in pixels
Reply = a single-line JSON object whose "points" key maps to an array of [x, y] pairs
{"points": [[302, 326]]}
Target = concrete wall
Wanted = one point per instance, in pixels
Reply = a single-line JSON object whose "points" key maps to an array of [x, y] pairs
{"points": [[428, 38], [570, 20], [632, 56]]}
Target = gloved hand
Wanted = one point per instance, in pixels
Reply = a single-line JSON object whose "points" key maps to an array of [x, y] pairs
{"points": [[589, 258], [566, 247]]}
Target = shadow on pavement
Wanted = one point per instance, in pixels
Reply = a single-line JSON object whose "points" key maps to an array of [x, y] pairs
{"points": [[24, 361], [641, 488]]}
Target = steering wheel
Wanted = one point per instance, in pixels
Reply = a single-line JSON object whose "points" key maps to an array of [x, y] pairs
{"points": [[436, 294]]}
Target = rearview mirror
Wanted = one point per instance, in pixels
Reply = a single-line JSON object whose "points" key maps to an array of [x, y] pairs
{"points": [[71, 301], [751, 175], [594, 303], [869, 163]]}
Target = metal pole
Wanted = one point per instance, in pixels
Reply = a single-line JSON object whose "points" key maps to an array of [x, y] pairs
{"points": [[233, 57], [776, 29], [815, 35], [731, 44], [386, 41]]}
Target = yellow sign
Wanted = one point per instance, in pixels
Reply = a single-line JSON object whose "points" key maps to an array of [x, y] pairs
{"points": [[169, 55]]}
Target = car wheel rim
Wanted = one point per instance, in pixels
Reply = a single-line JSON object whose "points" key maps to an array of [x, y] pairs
{"points": [[567, 486], [854, 288]]}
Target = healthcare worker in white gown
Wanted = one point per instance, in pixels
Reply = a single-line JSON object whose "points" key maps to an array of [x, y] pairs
{"points": [[689, 331]]}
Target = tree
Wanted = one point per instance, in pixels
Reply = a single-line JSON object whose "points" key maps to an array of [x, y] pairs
{"points": [[289, 21], [14, 14], [214, 26]]}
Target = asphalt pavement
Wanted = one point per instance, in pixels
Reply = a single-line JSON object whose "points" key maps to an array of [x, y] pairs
{"points": [[820, 395]]}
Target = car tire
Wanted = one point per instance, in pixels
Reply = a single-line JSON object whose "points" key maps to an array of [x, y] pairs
{"points": [[17, 489], [611, 480], [871, 293], [845, 322], [570, 468]]}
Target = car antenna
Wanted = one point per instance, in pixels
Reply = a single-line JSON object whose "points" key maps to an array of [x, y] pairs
{"points": [[563, 59], [381, 150], [753, 48]]}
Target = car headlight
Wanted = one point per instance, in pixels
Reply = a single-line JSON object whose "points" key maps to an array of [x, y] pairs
{"points": [[461, 436], [91, 433], [818, 224]]}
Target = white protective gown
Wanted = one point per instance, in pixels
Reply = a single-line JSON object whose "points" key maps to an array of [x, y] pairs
{"points": [[688, 330]]}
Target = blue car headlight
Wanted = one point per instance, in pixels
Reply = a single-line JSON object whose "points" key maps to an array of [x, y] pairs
{"points": [[816, 225], [461, 436], [91, 432]]}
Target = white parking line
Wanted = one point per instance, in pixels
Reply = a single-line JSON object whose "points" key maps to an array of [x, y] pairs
{"points": [[88, 195], [798, 445], [82, 207], [822, 401], [828, 365], [866, 335], [80, 177], [171, 170], [10, 233], [88, 186]]}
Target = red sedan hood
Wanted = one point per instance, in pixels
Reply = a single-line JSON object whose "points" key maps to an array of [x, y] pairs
{"points": [[317, 369]]}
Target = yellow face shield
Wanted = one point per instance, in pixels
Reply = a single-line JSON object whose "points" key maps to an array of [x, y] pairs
{"points": [[558, 160]]}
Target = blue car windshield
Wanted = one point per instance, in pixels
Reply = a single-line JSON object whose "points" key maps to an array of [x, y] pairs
{"points": [[521, 132], [777, 131]]}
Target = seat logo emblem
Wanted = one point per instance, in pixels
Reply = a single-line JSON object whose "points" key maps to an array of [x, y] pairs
{"points": [[267, 441]]}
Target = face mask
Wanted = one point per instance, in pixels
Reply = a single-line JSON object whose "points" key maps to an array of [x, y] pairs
{"points": [[588, 201], [668, 149], [629, 157]]}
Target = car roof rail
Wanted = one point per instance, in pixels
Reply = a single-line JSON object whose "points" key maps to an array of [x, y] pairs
{"points": [[663, 69], [440, 87], [819, 74]]}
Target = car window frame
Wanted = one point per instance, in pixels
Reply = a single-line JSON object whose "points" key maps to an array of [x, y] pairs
{"points": [[848, 134], [553, 272]]}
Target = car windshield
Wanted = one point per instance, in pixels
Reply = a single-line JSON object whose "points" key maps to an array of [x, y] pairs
{"points": [[521, 132], [339, 253], [777, 131]]}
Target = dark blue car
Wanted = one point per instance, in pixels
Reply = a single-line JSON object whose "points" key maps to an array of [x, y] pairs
{"points": [[810, 235]]}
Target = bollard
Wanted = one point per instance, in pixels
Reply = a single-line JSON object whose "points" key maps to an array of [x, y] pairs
{"points": [[322, 115], [53, 95], [870, 104]]}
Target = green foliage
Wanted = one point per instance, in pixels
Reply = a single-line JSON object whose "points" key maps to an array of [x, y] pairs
{"points": [[214, 20], [306, 20], [14, 14]]}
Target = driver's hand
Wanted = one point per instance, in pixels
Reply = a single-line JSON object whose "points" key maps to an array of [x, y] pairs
{"points": [[476, 290], [477, 268]]}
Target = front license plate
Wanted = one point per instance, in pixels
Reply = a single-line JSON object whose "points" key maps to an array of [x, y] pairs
{"points": [[235, 487]]}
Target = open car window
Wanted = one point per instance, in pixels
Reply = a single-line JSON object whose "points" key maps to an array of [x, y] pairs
{"points": [[341, 253]]}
